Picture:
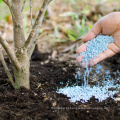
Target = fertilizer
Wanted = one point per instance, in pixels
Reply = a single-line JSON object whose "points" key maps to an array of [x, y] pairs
{"points": [[96, 46], [85, 91]]}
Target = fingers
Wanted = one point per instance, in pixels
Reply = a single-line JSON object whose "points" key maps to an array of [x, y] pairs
{"points": [[117, 38], [82, 48], [96, 30], [114, 47], [107, 25], [79, 58], [102, 56]]}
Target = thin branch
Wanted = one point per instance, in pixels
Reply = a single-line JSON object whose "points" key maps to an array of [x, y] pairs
{"points": [[31, 13], [5, 1], [35, 30], [31, 48], [8, 2], [6, 68], [10, 53], [23, 5]]}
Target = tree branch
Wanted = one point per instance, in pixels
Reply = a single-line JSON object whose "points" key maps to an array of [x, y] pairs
{"points": [[7, 2], [31, 13], [23, 5], [10, 53], [35, 30], [6, 68]]}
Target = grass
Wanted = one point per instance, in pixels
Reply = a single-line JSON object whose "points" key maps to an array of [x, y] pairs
{"points": [[79, 25], [78, 28]]}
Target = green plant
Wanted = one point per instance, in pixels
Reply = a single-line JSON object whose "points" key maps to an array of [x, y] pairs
{"points": [[78, 29]]}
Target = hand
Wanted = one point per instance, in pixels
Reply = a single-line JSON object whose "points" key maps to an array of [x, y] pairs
{"points": [[107, 25]]}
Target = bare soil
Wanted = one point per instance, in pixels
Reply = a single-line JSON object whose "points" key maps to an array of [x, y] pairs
{"points": [[42, 102]]}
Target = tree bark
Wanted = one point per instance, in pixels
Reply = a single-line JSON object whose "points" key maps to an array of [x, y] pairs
{"points": [[19, 37], [22, 76]]}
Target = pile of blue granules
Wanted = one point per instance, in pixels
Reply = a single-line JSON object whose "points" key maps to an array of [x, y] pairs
{"points": [[96, 46], [85, 91]]}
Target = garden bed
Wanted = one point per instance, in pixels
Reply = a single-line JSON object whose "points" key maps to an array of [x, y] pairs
{"points": [[42, 102]]}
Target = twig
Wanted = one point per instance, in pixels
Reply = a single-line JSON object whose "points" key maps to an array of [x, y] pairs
{"points": [[10, 53], [23, 5], [31, 13], [7, 2], [6, 68], [35, 30]]}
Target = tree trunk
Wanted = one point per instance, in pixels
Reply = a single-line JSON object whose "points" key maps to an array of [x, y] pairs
{"points": [[20, 58], [22, 76]]}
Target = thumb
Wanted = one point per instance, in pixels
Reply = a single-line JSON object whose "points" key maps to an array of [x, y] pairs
{"points": [[96, 30]]}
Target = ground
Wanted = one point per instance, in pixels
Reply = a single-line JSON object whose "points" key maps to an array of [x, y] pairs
{"points": [[42, 102], [55, 63]]}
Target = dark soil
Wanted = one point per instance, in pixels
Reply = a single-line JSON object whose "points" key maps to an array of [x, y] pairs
{"points": [[43, 103]]}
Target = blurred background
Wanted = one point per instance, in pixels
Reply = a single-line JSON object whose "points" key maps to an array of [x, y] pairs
{"points": [[65, 23]]}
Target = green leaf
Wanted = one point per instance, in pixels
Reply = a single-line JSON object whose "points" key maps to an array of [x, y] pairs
{"points": [[83, 23], [72, 33], [1, 46], [71, 37], [90, 26]]}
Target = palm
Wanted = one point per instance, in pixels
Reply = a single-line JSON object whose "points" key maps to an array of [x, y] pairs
{"points": [[108, 25]]}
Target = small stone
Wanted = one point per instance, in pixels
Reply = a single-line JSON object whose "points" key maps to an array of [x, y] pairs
{"points": [[64, 69], [42, 63], [47, 61], [87, 111], [118, 98], [54, 104]]}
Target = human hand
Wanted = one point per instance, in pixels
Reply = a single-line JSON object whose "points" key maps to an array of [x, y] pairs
{"points": [[107, 25]]}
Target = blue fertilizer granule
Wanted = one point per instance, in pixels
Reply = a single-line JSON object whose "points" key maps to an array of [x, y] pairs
{"points": [[85, 91], [96, 46], [84, 94], [101, 92]]}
